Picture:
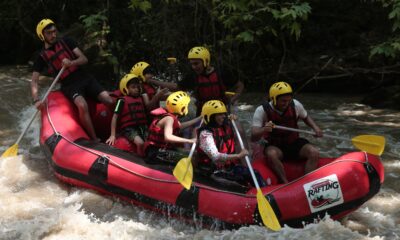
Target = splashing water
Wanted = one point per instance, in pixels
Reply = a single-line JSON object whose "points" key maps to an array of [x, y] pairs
{"points": [[35, 205]]}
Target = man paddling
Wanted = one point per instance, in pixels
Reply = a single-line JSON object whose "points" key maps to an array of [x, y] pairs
{"points": [[282, 145], [75, 83]]}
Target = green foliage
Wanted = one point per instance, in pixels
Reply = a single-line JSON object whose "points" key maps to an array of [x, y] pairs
{"points": [[94, 22], [142, 5], [273, 34], [248, 20], [391, 47], [97, 29]]}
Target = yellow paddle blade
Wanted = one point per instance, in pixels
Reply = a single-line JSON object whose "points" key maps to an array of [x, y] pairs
{"points": [[11, 151], [183, 172], [372, 144], [267, 213], [229, 94]]}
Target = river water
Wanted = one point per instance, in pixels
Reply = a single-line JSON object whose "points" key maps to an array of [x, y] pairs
{"points": [[35, 205]]}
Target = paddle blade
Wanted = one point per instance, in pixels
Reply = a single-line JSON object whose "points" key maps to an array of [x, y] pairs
{"points": [[11, 151], [372, 144], [183, 172], [267, 213]]}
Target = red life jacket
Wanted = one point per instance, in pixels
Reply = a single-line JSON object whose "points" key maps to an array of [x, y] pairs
{"points": [[156, 134], [225, 142], [149, 90], [209, 87], [133, 112], [288, 119], [54, 57]]}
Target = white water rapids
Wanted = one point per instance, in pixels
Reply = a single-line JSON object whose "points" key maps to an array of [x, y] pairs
{"points": [[35, 205]]}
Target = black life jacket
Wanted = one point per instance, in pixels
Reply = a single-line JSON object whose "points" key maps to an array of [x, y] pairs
{"points": [[288, 119]]}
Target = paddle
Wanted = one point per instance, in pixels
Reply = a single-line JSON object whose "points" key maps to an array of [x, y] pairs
{"points": [[183, 170], [267, 213], [13, 150], [372, 144], [229, 94]]}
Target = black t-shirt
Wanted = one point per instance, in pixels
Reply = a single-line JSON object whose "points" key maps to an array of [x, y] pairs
{"points": [[40, 64], [188, 82]]}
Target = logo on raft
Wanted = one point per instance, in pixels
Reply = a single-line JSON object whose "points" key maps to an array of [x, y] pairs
{"points": [[323, 193]]}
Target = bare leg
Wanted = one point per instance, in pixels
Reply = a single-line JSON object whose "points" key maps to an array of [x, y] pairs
{"points": [[84, 116], [105, 98], [310, 153], [139, 145], [274, 156]]}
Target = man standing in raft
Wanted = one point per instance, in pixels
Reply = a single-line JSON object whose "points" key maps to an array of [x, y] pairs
{"points": [[282, 145], [163, 140], [209, 83], [75, 83], [206, 81]]}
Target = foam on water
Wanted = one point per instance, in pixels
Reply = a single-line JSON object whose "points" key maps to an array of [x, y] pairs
{"points": [[35, 205]]}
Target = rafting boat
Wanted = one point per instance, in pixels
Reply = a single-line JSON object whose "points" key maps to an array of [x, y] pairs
{"points": [[338, 187]]}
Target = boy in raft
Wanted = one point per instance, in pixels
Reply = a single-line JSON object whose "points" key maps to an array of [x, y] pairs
{"points": [[216, 152], [161, 144], [130, 113], [152, 95]]}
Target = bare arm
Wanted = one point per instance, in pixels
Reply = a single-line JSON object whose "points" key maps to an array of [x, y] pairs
{"points": [[257, 133], [167, 123], [111, 139], [34, 85], [153, 102], [310, 122], [80, 60], [260, 124], [190, 122], [146, 101], [171, 86]]}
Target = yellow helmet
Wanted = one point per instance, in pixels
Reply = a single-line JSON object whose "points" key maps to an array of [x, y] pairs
{"points": [[200, 53], [178, 103], [124, 82], [138, 69], [212, 107], [279, 88], [42, 25]]}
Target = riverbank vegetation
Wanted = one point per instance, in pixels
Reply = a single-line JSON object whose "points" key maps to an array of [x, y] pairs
{"points": [[341, 46]]}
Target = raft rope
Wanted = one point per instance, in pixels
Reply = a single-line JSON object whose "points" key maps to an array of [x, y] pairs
{"points": [[129, 170], [175, 181]]}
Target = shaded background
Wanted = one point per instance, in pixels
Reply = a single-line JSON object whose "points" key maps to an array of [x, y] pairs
{"points": [[321, 46]]}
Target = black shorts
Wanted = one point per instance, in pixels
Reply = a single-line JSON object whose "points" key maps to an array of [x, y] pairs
{"points": [[81, 84], [291, 151]]}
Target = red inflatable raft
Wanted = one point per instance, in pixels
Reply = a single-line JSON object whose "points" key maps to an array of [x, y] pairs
{"points": [[338, 187]]}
